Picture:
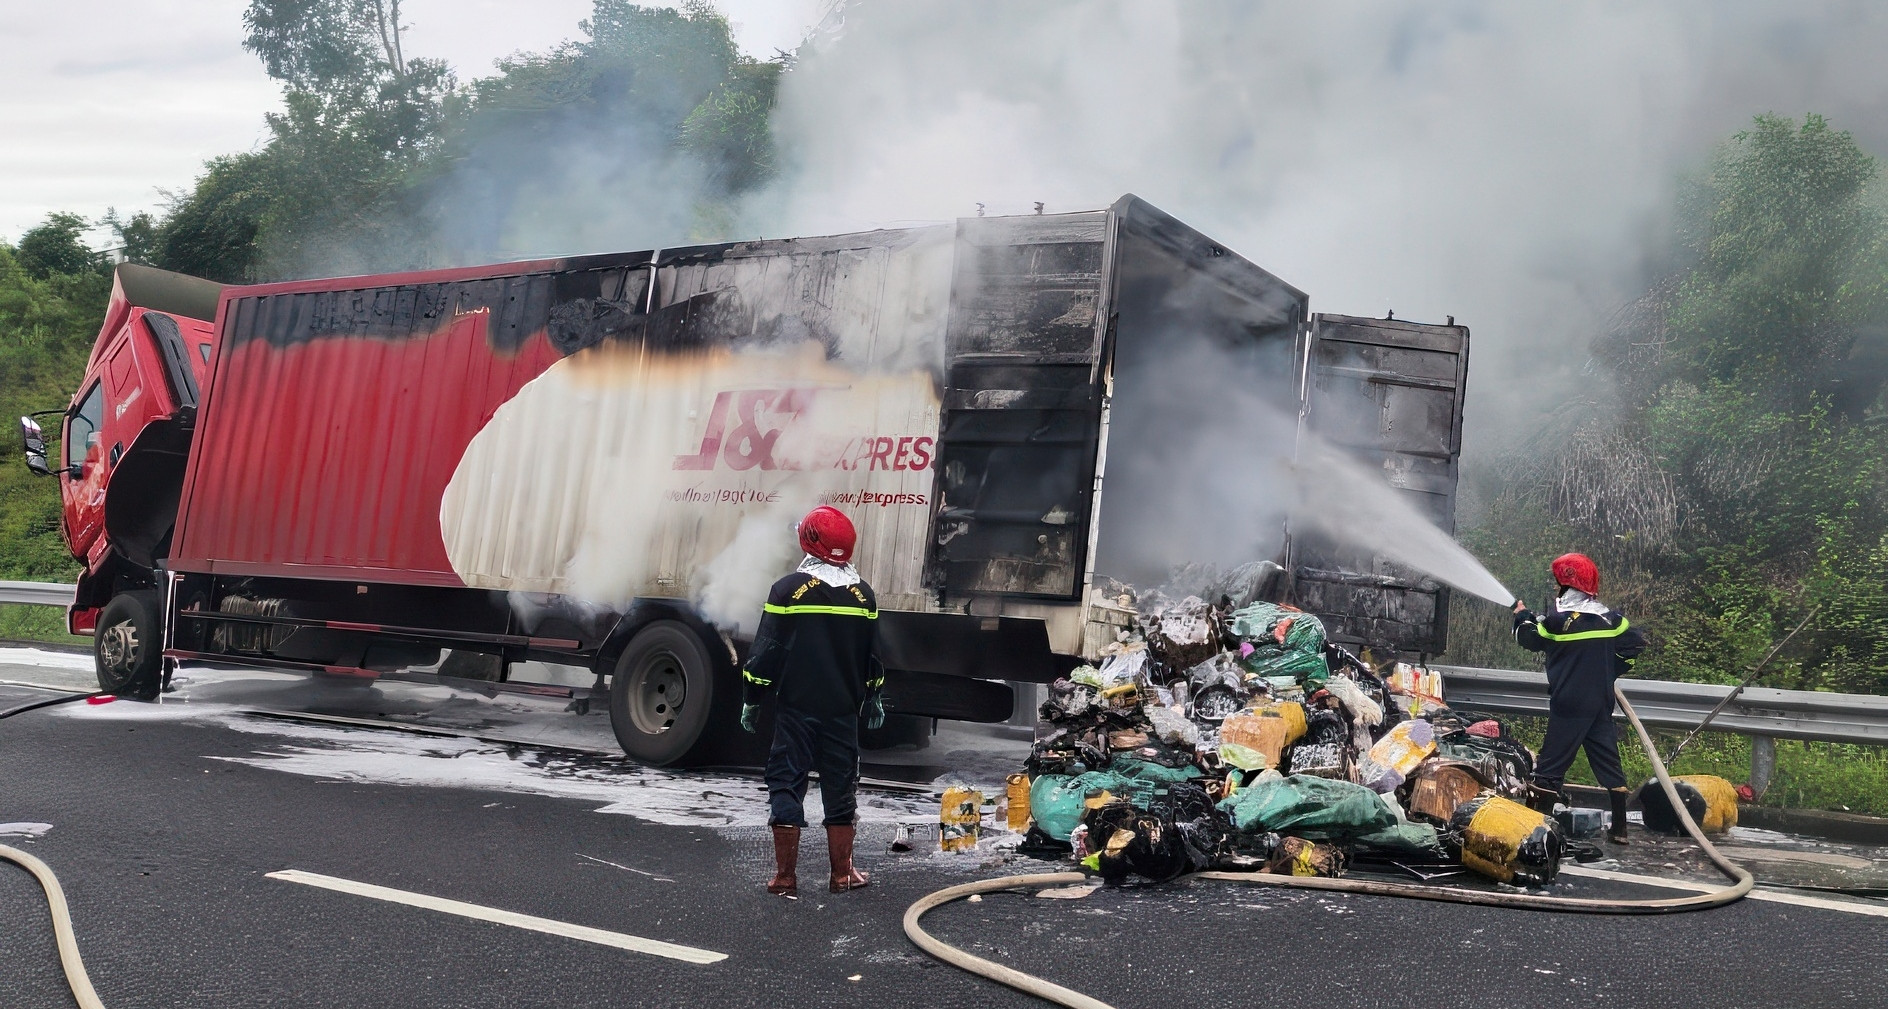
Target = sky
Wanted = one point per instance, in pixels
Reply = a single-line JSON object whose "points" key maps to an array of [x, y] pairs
{"points": [[110, 108]]}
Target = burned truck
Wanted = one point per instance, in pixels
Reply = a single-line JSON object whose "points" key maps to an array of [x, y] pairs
{"points": [[475, 475]]}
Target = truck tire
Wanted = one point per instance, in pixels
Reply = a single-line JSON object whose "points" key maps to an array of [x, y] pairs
{"points": [[662, 694], [126, 646]]}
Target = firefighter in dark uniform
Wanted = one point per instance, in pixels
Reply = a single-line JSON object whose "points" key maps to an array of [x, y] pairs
{"points": [[814, 653], [1588, 646]]}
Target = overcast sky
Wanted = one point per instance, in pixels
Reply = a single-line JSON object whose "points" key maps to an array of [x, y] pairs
{"points": [[104, 103]]}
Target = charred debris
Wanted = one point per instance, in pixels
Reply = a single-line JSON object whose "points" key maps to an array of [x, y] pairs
{"points": [[1232, 734]]}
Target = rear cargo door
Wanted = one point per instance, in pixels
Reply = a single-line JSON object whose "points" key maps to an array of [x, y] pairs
{"points": [[1022, 407], [1390, 394]]}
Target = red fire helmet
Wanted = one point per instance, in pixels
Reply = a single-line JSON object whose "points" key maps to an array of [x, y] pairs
{"points": [[827, 534], [1577, 571]]}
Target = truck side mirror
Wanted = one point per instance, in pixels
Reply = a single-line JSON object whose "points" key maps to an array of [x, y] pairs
{"points": [[34, 442]]}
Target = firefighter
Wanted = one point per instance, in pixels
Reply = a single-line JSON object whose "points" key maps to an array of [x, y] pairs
{"points": [[1588, 646], [814, 654]]}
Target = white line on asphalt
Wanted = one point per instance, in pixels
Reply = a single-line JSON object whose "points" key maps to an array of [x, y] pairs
{"points": [[654, 947], [1775, 896]]}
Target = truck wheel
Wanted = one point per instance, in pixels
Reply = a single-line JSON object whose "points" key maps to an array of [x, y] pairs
{"points": [[126, 646], [661, 694]]}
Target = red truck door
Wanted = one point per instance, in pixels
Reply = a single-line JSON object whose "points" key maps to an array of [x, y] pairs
{"points": [[82, 483]]}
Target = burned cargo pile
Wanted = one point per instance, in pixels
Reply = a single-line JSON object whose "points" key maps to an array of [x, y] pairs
{"points": [[1240, 738]]}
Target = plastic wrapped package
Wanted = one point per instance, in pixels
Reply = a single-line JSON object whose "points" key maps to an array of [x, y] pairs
{"points": [[1360, 707], [1711, 801], [1506, 841], [1418, 690], [1442, 785], [1056, 800], [1182, 634], [1406, 840], [1390, 762], [1296, 856], [1305, 806], [1122, 663], [1268, 729], [1170, 726], [1324, 760], [960, 814], [1147, 770]]}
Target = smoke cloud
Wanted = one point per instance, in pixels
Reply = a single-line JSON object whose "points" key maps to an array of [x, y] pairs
{"points": [[1512, 165]]}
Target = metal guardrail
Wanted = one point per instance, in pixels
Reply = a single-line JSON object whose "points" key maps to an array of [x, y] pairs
{"points": [[37, 593], [1758, 711]]}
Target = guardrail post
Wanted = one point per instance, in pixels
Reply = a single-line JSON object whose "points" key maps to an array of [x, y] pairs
{"points": [[1763, 763]]}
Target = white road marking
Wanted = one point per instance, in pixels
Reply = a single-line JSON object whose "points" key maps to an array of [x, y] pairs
{"points": [[1774, 896], [653, 947]]}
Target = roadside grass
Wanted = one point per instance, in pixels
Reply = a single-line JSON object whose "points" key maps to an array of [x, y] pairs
{"points": [[37, 623], [1809, 775]]}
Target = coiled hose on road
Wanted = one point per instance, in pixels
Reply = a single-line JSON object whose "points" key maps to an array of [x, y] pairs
{"points": [[69, 960], [1536, 902], [76, 978]]}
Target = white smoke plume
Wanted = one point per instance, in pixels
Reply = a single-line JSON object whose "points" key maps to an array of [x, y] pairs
{"points": [[1512, 165]]}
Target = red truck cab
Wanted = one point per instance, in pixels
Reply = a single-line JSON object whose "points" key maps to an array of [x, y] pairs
{"points": [[124, 441]]}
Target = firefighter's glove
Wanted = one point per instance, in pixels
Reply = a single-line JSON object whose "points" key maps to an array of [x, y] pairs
{"points": [[750, 713], [874, 712]]}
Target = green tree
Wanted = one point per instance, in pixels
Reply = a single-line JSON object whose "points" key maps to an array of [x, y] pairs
{"points": [[57, 246], [1737, 480]]}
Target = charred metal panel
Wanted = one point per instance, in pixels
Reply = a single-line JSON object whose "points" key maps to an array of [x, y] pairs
{"points": [[1203, 386], [1390, 393], [956, 644], [1022, 407]]}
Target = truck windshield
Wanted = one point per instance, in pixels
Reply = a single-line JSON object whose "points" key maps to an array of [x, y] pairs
{"points": [[82, 433]]}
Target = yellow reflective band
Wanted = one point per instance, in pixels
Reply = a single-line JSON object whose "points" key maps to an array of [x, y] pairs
{"points": [[1610, 632], [834, 611], [755, 680]]}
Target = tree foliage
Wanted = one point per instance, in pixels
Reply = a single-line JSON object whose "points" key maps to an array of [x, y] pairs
{"points": [[1749, 398], [56, 246]]}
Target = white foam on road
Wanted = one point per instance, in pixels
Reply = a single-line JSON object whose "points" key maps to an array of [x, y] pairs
{"points": [[45, 658], [605, 937], [674, 798], [23, 829]]}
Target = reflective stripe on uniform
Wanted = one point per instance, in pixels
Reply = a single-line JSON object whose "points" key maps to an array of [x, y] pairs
{"points": [[1609, 632], [833, 611], [755, 680]]}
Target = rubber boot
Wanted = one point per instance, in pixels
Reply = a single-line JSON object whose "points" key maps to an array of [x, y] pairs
{"points": [[1616, 833], [1541, 800], [786, 881], [839, 849]]}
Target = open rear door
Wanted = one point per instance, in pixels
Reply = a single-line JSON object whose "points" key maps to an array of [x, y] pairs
{"points": [[1390, 393]]}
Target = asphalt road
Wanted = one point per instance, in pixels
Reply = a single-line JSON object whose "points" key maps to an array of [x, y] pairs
{"points": [[165, 821]]}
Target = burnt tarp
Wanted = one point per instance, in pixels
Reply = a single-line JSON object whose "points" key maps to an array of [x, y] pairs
{"points": [[1022, 406], [1389, 393]]}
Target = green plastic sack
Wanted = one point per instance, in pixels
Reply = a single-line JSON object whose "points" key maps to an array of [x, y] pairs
{"points": [[1147, 770], [1055, 800], [1307, 668], [1316, 809], [1258, 623], [1409, 838]]}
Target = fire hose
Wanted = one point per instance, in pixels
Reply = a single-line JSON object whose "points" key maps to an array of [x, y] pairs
{"points": [[1743, 881], [68, 942]]}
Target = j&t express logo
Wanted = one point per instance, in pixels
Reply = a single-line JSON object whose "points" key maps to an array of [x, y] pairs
{"points": [[747, 440]]}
